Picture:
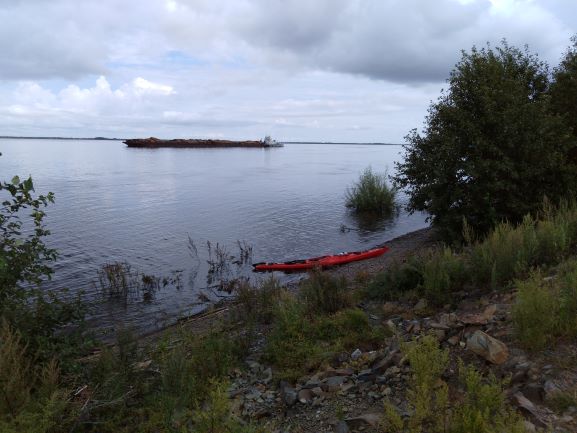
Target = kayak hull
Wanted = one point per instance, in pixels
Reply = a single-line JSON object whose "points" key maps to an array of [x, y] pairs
{"points": [[320, 262]]}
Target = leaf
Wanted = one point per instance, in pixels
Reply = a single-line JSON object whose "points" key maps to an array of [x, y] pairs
{"points": [[15, 180]]}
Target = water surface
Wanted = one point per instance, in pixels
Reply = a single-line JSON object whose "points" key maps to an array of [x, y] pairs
{"points": [[140, 206]]}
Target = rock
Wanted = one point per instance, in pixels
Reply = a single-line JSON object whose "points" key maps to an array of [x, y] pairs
{"points": [[448, 319], [439, 334], [551, 389], [421, 305], [534, 392], [382, 365], [529, 426], [361, 421], [356, 354], [334, 383], [342, 427], [333, 372], [435, 325], [288, 394], [529, 408], [454, 340], [490, 348], [306, 396], [267, 376]]}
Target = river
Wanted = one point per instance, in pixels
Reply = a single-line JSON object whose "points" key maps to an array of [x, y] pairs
{"points": [[140, 206]]}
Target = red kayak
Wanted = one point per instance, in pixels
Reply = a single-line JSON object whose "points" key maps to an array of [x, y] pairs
{"points": [[321, 262]]}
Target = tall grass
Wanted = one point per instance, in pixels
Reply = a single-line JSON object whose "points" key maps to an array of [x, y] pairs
{"points": [[546, 308], [481, 400], [371, 193], [507, 253], [325, 294]]}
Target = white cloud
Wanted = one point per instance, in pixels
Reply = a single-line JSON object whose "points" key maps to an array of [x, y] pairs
{"points": [[323, 69]]}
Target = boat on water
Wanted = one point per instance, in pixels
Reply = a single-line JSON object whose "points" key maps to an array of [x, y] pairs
{"points": [[269, 142], [320, 262]]}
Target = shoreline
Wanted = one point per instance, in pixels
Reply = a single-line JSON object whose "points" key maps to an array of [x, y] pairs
{"points": [[400, 248]]}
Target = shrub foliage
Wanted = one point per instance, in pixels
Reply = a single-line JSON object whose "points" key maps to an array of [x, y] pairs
{"points": [[491, 147], [371, 193]]}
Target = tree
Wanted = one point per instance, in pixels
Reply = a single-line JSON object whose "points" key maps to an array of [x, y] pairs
{"points": [[24, 262], [491, 148], [564, 87]]}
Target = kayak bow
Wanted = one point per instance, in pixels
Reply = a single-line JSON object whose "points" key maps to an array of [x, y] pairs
{"points": [[320, 262]]}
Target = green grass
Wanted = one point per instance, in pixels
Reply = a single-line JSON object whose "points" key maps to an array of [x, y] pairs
{"points": [[325, 294], [506, 254], [478, 405], [546, 308], [300, 342], [371, 193]]}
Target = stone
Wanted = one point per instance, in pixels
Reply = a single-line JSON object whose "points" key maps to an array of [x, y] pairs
{"points": [[439, 334], [342, 427], [266, 376], [551, 389], [306, 396], [421, 305], [288, 394], [490, 348], [454, 340], [356, 354], [448, 319], [334, 383], [534, 392], [382, 365], [365, 420], [529, 408]]}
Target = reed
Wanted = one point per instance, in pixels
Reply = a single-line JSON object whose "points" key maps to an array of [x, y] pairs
{"points": [[371, 193]]}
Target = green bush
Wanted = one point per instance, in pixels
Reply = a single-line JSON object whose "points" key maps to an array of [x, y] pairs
{"points": [[396, 281], [546, 308], [371, 193], [480, 407], [491, 148], [299, 342], [443, 272], [325, 294]]}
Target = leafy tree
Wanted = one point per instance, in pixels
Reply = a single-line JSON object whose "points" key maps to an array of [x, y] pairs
{"points": [[491, 149], [564, 87], [24, 262]]}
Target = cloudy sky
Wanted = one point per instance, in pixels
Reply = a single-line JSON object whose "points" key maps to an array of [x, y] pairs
{"points": [[341, 70]]}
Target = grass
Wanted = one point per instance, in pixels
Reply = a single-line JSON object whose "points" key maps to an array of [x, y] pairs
{"points": [[324, 294], [300, 342], [371, 193], [546, 308], [508, 253], [478, 406]]}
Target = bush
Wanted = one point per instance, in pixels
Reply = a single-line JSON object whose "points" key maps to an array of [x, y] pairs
{"points": [[443, 272], [371, 193], [299, 342], [325, 294], [480, 408], [546, 308], [397, 280], [24, 263], [491, 149]]}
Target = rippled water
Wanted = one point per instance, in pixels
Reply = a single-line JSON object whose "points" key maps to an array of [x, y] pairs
{"points": [[140, 206]]}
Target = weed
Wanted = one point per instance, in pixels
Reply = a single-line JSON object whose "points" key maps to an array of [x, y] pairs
{"points": [[480, 408], [443, 272], [257, 304], [371, 193], [561, 401], [325, 294], [396, 281]]}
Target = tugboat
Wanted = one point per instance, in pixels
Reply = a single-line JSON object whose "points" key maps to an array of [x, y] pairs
{"points": [[269, 142]]}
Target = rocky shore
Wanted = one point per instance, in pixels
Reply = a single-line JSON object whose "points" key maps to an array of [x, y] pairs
{"points": [[153, 142], [349, 392]]}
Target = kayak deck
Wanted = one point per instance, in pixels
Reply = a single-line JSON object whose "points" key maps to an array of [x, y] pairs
{"points": [[320, 262]]}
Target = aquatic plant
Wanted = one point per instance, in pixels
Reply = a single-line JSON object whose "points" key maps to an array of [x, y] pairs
{"points": [[371, 193]]}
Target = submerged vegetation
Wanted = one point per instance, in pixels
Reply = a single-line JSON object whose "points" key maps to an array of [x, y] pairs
{"points": [[371, 193]]}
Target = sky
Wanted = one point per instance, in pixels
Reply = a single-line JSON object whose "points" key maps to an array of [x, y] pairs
{"points": [[318, 70]]}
